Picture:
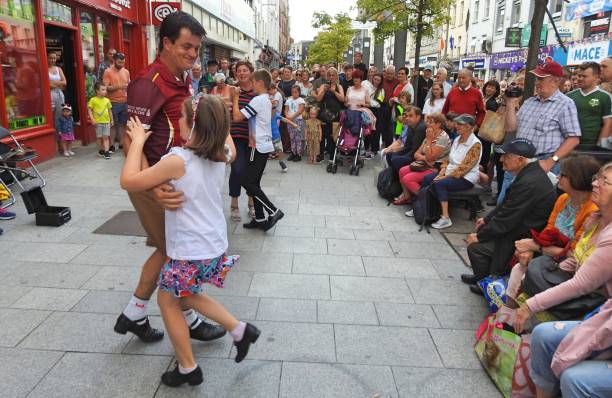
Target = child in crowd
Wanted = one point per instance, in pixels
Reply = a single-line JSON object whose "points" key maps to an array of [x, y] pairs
{"points": [[66, 130], [294, 107], [196, 233], [403, 103], [101, 116], [276, 139], [314, 133], [449, 125], [259, 113]]}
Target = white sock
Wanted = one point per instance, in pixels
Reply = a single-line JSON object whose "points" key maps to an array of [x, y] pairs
{"points": [[191, 317], [185, 371], [136, 309], [238, 332]]}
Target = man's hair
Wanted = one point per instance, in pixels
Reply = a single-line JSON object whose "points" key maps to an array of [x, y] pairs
{"points": [[389, 68], [119, 56], [212, 124], [443, 70], [467, 71], [173, 23], [358, 53], [263, 76], [212, 62], [417, 111], [98, 85], [348, 66], [594, 66], [245, 63]]}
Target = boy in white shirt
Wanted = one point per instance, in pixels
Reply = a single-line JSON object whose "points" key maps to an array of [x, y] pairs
{"points": [[259, 114]]}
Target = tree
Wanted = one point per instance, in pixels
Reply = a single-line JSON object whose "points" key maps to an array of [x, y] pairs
{"points": [[533, 51], [420, 17], [333, 40]]}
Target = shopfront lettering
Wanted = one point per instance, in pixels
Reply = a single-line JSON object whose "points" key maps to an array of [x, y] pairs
{"points": [[514, 60], [121, 3], [587, 54], [594, 52]]}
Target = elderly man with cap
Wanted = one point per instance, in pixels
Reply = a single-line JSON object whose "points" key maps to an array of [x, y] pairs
{"points": [[527, 204], [425, 83], [549, 120]]}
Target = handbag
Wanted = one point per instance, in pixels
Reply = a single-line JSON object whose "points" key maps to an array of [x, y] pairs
{"points": [[497, 349], [543, 275], [522, 384], [419, 165], [493, 127], [328, 116]]}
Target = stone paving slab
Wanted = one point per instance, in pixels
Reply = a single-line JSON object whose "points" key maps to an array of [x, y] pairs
{"points": [[351, 299]]}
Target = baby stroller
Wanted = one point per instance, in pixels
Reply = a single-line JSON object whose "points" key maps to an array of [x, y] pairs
{"points": [[11, 158], [354, 127]]}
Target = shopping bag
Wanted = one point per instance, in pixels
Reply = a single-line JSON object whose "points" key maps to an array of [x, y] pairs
{"points": [[496, 349], [522, 385], [494, 290], [493, 127], [335, 130]]}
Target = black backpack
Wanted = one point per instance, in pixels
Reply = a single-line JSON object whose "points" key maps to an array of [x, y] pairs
{"points": [[388, 185], [426, 207]]}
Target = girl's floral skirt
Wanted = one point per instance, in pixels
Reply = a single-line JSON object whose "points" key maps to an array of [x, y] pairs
{"points": [[183, 278]]}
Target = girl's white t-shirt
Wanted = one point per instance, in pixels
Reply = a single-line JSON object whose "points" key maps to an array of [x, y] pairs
{"points": [[294, 104], [428, 109], [197, 230]]}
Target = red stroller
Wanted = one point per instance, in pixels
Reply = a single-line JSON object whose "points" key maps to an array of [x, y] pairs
{"points": [[354, 127]]}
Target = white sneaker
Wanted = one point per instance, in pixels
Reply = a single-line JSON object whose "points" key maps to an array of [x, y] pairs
{"points": [[71, 153], [442, 223], [409, 213], [66, 154], [283, 166]]}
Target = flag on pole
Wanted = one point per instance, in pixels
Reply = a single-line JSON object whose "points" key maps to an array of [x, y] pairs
{"points": [[442, 44]]}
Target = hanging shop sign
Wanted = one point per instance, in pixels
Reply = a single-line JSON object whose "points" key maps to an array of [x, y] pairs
{"points": [[515, 60], [513, 37], [160, 9], [584, 8], [594, 52], [475, 63], [526, 35]]}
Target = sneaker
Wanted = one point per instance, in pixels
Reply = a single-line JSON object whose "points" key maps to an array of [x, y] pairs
{"points": [[283, 166], [71, 153], [66, 155], [409, 213], [442, 223], [235, 214], [101, 153], [111, 149], [144, 332], [274, 218], [7, 215], [107, 155], [368, 155], [251, 334], [254, 224], [320, 158], [174, 378]]}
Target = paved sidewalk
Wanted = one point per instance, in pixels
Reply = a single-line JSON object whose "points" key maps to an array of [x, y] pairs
{"points": [[351, 300]]}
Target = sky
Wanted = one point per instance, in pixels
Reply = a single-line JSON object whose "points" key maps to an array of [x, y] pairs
{"points": [[300, 14]]}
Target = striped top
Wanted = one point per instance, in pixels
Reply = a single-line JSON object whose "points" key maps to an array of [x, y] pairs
{"points": [[240, 130]]}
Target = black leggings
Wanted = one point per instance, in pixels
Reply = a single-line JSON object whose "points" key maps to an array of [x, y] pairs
{"points": [[239, 166], [252, 183], [327, 141]]}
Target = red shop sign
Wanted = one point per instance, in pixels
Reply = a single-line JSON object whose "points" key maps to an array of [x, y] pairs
{"points": [[160, 9], [126, 9]]}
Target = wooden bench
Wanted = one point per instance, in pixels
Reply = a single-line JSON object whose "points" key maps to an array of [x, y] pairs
{"points": [[471, 198]]}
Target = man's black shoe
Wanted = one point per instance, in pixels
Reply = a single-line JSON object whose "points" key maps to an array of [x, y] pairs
{"points": [[297, 158], [476, 290], [273, 219], [251, 334], [206, 331], [253, 224], [290, 157], [492, 202], [144, 332], [469, 279], [174, 378]]}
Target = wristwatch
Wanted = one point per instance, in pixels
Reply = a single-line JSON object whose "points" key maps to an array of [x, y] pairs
{"points": [[555, 158]]}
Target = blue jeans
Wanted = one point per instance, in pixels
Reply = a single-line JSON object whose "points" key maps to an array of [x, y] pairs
{"points": [[588, 379], [443, 187], [238, 167], [508, 178]]}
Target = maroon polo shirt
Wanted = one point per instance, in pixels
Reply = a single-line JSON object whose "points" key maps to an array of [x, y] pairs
{"points": [[156, 96]]}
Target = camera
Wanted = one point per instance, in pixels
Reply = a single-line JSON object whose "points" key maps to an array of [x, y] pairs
{"points": [[513, 91]]}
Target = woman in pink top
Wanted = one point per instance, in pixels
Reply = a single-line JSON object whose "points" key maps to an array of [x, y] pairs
{"points": [[567, 356], [358, 95]]}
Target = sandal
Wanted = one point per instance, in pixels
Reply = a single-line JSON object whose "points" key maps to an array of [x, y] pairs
{"points": [[235, 214], [252, 211], [401, 201]]}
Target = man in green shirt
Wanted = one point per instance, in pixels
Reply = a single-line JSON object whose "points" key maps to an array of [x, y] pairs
{"points": [[594, 105]]}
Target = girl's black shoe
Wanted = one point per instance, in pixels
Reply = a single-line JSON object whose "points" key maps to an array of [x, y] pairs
{"points": [[174, 378], [251, 334]]}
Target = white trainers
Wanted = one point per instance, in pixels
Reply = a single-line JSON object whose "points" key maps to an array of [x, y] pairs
{"points": [[409, 213], [71, 153], [442, 223], [66, 154]]}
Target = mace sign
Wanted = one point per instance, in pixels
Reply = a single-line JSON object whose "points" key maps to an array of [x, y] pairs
{"points": [[594, 52], [160, 9]]}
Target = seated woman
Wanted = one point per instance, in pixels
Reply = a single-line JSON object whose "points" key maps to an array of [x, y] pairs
{"points": [[569, 357], [590, 261], [567, 219], [460, 171], [434, 147]]}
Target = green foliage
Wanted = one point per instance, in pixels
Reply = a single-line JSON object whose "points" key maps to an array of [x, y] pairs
{"points": [[333, 39], [397, 15]]}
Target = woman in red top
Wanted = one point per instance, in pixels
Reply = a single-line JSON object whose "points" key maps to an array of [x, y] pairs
{"points": [[403, 85]]}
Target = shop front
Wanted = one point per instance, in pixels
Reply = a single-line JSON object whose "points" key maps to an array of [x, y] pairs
{"points": [[80, 33], [479, 64], [503, 65]]}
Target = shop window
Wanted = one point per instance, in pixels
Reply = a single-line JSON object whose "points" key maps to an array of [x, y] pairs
{"points": [[56, 12], [516, 12], [103, 38], [476, 11], [499, 18], [87, 40], [21, 65], [485, 14]]}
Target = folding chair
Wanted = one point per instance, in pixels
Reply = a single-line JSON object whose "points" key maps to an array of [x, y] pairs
{"points": [[19, 154]]}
